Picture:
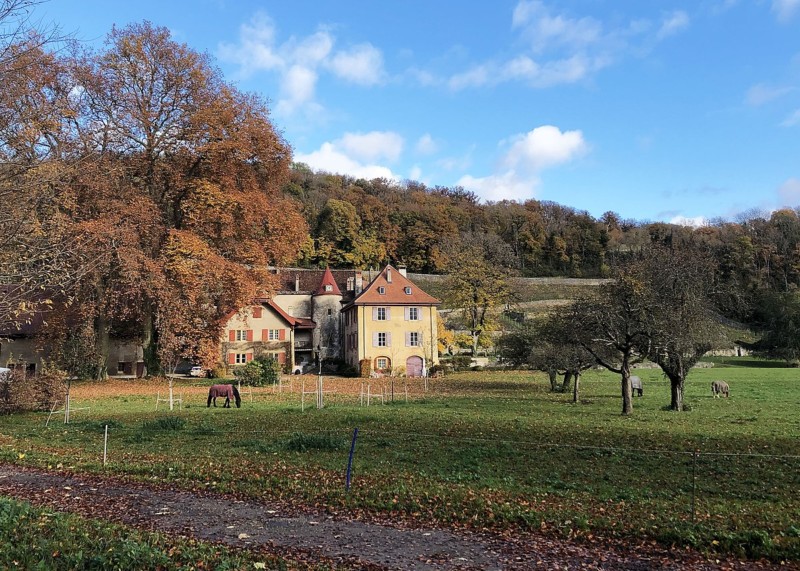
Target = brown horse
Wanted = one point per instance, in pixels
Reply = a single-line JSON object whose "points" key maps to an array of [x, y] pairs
{"points": [[228, 391]]}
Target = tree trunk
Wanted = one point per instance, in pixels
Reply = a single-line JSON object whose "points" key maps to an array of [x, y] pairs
{"points": [[101, 344], [676, 388], [576, 387], [149, 349], [567, 381], [553, 374], [627, 391]]}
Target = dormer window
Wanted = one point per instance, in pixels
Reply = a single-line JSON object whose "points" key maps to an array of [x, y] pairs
{"points": [[381, 290], [328, 287], [407, 289]]}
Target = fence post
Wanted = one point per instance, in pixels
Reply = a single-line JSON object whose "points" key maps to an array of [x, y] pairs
{"points": [[105, 447], [350, 460], [694, 482]]}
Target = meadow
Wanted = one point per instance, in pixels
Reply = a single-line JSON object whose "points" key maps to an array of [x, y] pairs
{"points": [[483, 450]]}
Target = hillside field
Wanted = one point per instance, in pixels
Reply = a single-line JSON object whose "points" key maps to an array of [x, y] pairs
{"points": [[483, 450]]}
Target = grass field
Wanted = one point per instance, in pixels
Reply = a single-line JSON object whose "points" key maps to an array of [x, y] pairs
{"points": [[484, 450]]}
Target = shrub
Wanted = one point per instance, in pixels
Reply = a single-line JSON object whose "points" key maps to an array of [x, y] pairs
{"points": [[219, 371], [20, 393], [259, 372], [365, 368]]}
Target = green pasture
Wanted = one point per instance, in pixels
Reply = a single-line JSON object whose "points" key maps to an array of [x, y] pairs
{"points": [[484, 450]]}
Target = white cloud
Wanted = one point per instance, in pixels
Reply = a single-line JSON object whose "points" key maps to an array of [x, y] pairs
{"points": [[528, 154], [672, 24], [544, 147], [761, 94], [563, 49], [328, 158], [789, 193], [297, 88], [503, 186], [362, 65], [792, 120], [785, 9], [545, 30], [299, 61], [372, 146], [693, 221], [426, 145], [357, 155]]}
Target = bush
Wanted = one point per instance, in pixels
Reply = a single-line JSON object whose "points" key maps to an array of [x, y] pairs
{"points": [[21, 393], [219, 371], [259, 372], [365, 368]]}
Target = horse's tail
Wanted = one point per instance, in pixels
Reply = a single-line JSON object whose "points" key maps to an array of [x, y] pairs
{"points": [[237, 397]]}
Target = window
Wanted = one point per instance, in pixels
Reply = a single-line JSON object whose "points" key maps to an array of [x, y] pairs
{"points": [[274, 335], [241, 335], [382, 363], [328, 287], [241, 358], [381, 290], [413, 339], [413, 314], [330, 312], [407, 289], [382, 340], [381, 314]]}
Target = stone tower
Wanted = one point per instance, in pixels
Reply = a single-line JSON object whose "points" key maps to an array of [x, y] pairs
{"points": [[326, 310]]}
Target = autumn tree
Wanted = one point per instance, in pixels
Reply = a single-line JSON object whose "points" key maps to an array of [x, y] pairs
{"points": [[185, 195], [40, 258], [612, 327], [681, 321], [477, 285]]}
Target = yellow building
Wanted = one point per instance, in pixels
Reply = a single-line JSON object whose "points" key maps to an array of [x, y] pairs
{"points": [[392, 324]]}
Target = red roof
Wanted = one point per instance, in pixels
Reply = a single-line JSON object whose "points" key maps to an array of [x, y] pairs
{"points": [[327, 280], [399, 291]]}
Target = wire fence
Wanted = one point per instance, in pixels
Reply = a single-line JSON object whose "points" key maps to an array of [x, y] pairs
{"points": [[652, 486]]}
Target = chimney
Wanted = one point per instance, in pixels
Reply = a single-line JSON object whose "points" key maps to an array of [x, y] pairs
{"points": [[297, 282], [388, 275], [402, 271], [359, 282]]}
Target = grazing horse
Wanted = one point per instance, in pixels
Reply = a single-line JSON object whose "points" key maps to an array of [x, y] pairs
{"points": [[636, 385], [719, 388], [228, 391]]}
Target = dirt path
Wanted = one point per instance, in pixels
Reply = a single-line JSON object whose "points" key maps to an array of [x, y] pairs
{"points": [[354, 544]]}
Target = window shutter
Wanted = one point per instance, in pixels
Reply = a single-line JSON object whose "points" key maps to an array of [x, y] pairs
{"points": [[374, 314], [249, 334], [374, 339], [406, 312], [388, 313], [231, 358], [248, 357], [282, 335], [408, 339], [388, 339], [257, 312], [265, 334], [282, 358], [231, 335]]}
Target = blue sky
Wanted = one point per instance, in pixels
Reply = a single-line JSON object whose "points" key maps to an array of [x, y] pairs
{"points": [[657, 110]]}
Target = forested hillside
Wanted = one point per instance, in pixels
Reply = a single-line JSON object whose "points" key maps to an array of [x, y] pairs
{"points": [[363, 223]]}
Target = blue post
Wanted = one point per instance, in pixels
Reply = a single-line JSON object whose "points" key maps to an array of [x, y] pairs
{"points": [[350, 460]]}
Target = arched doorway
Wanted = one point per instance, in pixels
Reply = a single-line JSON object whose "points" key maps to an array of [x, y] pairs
{"points": [[414, 366]]}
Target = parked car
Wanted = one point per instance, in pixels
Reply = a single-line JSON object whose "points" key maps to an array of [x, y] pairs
{"points": [[197, 371]]}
